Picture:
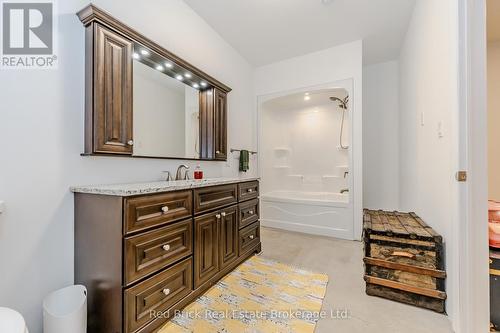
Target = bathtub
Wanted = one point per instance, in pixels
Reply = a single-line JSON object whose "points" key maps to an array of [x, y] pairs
{"points": [[320, 213]]}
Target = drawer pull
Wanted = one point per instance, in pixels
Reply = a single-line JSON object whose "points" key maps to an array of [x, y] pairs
{"points": [[217, 216], [250, 212], [250, 190], [164, 209], [166, 247], [251, 236], [166, 291], [223, 214], [403, 254]]}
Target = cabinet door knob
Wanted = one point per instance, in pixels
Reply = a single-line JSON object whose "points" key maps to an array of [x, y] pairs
{"points": [[223, 214], [250, 190], [166, 291], [166, 247], [251, 236], [250, 212], [164, 209], [130, 142], [217, 151], [217, 216]]}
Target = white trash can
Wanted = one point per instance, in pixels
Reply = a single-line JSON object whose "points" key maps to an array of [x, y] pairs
{"points": [[65, 310]]}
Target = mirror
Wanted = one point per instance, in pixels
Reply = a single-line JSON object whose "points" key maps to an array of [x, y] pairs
{"points": [[166, 114], [144, 101], [166, 107]]}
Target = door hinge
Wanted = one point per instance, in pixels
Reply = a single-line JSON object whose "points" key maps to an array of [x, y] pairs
{"points": [[462, 176]]}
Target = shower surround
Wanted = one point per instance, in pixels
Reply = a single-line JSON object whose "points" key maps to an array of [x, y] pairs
{"points": [[305, 161]]}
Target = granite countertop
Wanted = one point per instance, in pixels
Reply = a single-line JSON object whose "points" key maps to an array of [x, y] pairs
{"points": [[125, 190]]}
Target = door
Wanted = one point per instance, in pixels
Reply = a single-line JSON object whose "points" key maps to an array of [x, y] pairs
{"points": [[206, 262], [228, 236], [220, 125], [112, 132]]}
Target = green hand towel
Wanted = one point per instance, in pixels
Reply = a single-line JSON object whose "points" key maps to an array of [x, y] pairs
{"points": [[244, 160]]}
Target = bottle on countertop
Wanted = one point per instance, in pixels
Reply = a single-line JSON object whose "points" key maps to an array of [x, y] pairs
{"points": [[198, 172]]}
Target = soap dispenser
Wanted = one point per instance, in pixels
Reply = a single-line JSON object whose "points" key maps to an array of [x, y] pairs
{"points": [[198, 173]]}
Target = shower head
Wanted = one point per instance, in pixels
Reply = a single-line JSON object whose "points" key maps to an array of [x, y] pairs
{"points": [[343, 102]]}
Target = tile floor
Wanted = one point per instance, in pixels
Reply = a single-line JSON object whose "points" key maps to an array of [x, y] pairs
{"points": [[342, 261]]}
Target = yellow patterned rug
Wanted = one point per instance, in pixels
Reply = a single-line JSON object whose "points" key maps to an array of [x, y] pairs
{"points": [[260, 296]]}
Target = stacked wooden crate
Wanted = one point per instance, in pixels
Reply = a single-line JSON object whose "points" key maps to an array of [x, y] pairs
{"points": [[404, 259]]}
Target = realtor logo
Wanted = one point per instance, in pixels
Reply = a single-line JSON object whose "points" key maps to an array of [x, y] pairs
{"points": [[28, 35]]}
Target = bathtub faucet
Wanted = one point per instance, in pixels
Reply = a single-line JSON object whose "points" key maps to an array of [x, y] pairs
{"points": [[344, 190]]}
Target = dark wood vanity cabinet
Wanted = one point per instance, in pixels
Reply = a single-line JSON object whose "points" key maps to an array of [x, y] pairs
{"points": [[228, 236], [109, 92], [207, 250], [158, 252], [213, 124], [220, 125]]}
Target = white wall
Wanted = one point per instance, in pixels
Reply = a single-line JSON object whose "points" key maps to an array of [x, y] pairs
{"points": [[381, 136], [41, 135], [428, 86], [494, 120], [342, 62]]}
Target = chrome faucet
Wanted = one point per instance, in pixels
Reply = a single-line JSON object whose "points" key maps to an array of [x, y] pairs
{"points": [[344, 190], [178, 175]]}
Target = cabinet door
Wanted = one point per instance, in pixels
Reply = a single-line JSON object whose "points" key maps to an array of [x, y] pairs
{"points": [[206, 259], [207, 124], [220, 125], [112, 107], [228, 240]]}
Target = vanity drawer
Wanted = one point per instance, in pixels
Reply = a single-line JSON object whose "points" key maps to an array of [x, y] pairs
{"points": [[248, 190], [154, 250], [249, 212], [158, 293], [214, 197], [249, 237], [151, 210]]}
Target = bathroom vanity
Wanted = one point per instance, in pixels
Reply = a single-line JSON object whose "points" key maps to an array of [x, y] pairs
{"points": [[146, 250]]}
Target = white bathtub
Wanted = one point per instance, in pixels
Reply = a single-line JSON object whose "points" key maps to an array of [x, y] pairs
{"points": [[309, 198], [320, 213]]}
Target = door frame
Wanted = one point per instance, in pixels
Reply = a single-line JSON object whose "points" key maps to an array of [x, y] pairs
{"points": [[473, 302]]}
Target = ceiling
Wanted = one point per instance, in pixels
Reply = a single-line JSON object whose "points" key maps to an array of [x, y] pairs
{"points": [[265, 31], [493, 18]]}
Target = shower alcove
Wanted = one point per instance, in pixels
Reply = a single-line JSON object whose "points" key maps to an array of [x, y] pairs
{"points": [[305, 160]]}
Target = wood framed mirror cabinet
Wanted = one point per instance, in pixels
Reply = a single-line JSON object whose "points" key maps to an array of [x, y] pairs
{"points": [[144, 101]]}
